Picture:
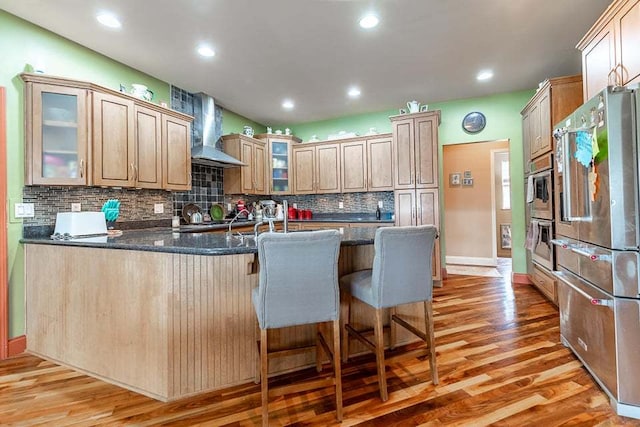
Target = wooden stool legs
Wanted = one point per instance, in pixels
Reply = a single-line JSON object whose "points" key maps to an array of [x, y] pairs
{"points": [[332, 353], [378, 333], [377, 346], [264, 378]]}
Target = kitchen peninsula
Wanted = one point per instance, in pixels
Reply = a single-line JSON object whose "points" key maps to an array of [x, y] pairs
{"points": [[162, 313]]}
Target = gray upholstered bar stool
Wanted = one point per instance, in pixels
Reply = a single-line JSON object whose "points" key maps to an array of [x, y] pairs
{"points": [[401, 274], [298, 285]]}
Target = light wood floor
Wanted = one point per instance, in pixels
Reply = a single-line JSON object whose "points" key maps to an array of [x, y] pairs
{"points": [[499, 358]]}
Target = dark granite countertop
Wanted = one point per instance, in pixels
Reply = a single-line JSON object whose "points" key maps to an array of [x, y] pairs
{"points": [[166, 240]]}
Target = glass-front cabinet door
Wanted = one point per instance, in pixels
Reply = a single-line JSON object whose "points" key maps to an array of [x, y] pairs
{"points": [[58, 122], [280, 166]]}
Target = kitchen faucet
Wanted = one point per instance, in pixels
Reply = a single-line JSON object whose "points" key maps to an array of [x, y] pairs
{"points": [[228, 236]]}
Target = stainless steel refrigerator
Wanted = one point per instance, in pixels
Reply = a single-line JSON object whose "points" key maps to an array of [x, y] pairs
{"points": [[598, 244]]}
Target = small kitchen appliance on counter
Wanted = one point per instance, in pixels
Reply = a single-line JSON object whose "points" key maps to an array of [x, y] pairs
{"points": [[80, 224]]}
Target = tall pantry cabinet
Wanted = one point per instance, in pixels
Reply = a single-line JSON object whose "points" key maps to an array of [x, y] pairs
{"points": [[415, 158]]}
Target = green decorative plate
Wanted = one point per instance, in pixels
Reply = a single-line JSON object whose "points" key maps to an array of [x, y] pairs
{"points": [[217, 212]]}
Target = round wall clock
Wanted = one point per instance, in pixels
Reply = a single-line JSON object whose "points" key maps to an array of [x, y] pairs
{"points": [[474, 122]]}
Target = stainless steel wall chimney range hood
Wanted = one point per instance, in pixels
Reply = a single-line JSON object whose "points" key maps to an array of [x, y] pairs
{"points": [[204, 150]]}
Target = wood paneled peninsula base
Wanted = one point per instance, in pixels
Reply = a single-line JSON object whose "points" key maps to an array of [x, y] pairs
{"points": [[164, 314]]}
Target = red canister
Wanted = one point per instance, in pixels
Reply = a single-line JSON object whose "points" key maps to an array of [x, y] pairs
{"points": [[293, 213], [307, 214], [300, 213]]}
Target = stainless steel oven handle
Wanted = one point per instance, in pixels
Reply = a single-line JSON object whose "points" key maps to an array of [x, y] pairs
{"points": [[592, 256], [605, 302], [562, 243]]}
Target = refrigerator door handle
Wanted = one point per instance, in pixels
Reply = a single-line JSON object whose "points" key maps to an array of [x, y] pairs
{"points": [[591, 255]]}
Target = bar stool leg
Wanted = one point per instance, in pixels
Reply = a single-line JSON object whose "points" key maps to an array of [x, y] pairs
{"points": [[379, 339], [428, 318], [345, 319], [318, 345], [337, 369], [393, 328], [264, 370]]}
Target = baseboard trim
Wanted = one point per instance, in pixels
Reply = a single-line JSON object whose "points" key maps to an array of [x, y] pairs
{"points": [[17, 345], [464, 260], [520, 279], [443, 273]]}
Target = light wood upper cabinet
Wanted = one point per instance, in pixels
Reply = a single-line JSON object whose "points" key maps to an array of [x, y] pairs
{"points": [[317, 168], [148, 143], [328, 168], [598, 62], [610, 48], [367, 165], [176, 153], [354, 166], [249, 179], [556, 99], [80, 133], [56, 135], [279, 164], [304, 159], [380, 163], [415, 150], [113, 141]]}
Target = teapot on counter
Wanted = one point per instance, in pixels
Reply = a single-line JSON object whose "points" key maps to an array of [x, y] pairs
{"points": [[196, 218]]}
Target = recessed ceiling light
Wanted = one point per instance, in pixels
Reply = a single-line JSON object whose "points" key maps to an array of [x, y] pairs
{"points": [[484, 75], [288, 104], [369, 21], [206, 51], [108, 20], [354, 92]]}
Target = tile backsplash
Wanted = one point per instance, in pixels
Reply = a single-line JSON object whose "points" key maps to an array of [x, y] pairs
{"points": [[135, 205], [329, 203]]}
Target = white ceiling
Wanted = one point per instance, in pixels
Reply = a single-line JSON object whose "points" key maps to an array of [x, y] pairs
{"points": [[312, 51]]}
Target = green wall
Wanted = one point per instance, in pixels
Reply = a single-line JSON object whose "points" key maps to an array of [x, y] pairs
{"points": [[235, 123], [503, 122], [22, 46]]}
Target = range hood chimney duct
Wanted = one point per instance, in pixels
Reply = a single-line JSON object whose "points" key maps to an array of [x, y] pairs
{"points": [[204, 150]]}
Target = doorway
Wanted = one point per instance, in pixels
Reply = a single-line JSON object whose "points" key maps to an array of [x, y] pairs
{"points": [[4, 289], [473, 224], [502, 202]]}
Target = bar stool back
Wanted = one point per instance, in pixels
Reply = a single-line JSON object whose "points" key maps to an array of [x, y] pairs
{"points": [[298, 285], [401, 274]]}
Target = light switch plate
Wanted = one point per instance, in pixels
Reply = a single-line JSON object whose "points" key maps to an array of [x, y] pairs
{"points": [[340, 205], [158, 208], [24, 210], [380, 204]]}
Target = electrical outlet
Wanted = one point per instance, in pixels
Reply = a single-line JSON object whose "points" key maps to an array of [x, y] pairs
{"points": [[295, 206], [340, 205], [228, 207], [24, 210], [380, 204], [76, 207], [158, 208]]}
